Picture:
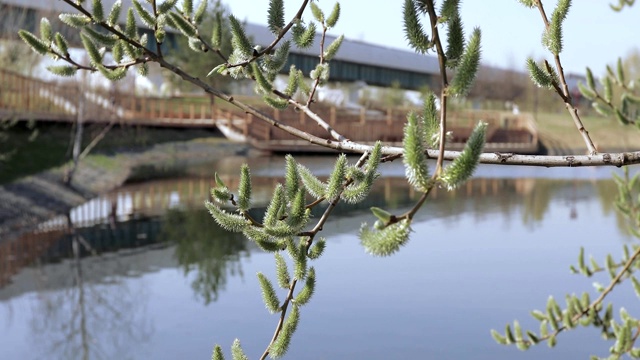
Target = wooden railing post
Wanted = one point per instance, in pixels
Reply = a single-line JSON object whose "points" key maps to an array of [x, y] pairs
{"points": [[363, 113], [162, 107], [132, 106], [3, 82], [267, 133], [143, 106], [215, 116], [21, 93], [245, 129], [152, 112], [332, 115]]}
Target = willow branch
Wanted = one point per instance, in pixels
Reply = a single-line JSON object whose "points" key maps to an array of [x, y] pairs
{"points": [[442, 60], [565, 94], [611, 106], [316, 82], [412, 212], [155, 27], [602, 159], [275, 42], [596, 303], [111, 29], [79, 66], [285, 306], [208, 46], [310, 236], [315, 117]]}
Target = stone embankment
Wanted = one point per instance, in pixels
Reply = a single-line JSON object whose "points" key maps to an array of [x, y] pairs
{"points": [[32, 200]]}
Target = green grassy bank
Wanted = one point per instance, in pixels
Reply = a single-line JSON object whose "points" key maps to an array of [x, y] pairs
{"points": [[51, 145], [559, 131]]}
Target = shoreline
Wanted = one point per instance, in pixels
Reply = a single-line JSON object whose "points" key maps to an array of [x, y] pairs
{"points": [[29, 201]]}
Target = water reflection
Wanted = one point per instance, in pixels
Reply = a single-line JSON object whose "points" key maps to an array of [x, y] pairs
{"points": [[170, 211], [203, 248], [74, 318], [83, 305]]}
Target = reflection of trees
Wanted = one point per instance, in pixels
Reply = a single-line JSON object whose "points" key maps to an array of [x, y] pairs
{"points": [[536, 202], [608, 192], [202, 246], [85, 319]]}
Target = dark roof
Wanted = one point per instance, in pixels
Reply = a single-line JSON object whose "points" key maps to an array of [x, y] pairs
{"points": [[358, 52], [353, 51]]}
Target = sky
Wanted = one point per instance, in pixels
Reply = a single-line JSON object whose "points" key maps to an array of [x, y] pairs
{"points": [[594, 36]]}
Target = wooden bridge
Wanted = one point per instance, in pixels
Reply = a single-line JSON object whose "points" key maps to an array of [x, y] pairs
{"points": [[25, 98]]}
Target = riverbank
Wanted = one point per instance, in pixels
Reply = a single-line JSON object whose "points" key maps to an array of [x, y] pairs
{"points": [[559, 136], [31, 200], [36, 198]]}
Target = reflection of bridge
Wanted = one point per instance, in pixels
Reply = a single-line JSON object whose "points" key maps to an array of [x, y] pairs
{"points": [[154, 198], [26, 98], [149, 200]]}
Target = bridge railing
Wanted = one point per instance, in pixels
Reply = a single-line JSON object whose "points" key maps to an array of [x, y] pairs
{"points": [[363, 125], [29, 98], [24, 95]]}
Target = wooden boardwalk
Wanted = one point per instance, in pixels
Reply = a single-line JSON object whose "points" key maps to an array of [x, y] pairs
{"points": [[24, 98], [506, 132]]}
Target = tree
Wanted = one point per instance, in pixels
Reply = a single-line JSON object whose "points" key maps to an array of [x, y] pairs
{"points": [[17, 57], [199, 66], [286, 225]]}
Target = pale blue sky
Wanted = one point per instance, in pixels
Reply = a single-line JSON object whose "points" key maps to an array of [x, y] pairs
{"points": [[594, 34]]}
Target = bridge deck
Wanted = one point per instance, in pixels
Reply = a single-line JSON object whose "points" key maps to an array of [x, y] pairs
{"points": [[25, 98]]}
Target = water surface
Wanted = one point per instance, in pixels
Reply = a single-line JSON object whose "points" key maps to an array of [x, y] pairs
{"points": [[155, 278]]}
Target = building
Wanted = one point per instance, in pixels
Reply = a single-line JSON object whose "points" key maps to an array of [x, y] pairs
{"points": [[356, 61]]}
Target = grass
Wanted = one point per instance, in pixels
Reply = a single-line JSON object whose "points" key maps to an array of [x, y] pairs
{"points": [[48, 149], [51, 147], [102, 161], [606, 133]]}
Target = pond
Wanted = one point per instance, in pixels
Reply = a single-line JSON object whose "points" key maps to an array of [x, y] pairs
{"points": [[153, 277]]}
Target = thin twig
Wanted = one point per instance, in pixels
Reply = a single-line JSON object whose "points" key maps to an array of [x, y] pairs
{"points": [[155, 28], [310, 236], [315, 117], [275, 42], [433, 17], [208, 46], [111, 29], [283, 312], [564, 91], [596, 303], [317, 80]]}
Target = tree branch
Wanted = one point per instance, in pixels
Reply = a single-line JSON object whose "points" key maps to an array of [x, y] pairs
{"points": [[442, 62], [310, 236], [604, 159], [596, 303], [275, 42], [564, 91]]}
